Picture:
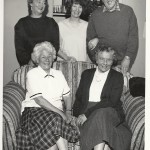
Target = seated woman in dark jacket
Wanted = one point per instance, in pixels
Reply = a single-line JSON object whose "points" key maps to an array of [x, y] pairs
{"points": [[98, 106]]}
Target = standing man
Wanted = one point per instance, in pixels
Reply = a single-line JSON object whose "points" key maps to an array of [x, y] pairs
{"points": [[115, 25]]}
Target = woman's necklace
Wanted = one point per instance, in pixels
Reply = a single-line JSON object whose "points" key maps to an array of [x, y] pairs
{"points": [[98, 79]]}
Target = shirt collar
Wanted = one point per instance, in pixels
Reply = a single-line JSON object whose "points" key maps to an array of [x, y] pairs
{"points": [[116, 8], [44, 74], [97, 73]]}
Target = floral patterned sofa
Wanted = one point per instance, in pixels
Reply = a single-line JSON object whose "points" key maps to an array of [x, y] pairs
{"points": [[14, 94]]}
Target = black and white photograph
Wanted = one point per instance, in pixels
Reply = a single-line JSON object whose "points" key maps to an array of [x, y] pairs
{"points": [[75, 75]]}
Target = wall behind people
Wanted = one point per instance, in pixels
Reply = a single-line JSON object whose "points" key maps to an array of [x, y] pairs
{"points": [[139, 8], [15, 9]]}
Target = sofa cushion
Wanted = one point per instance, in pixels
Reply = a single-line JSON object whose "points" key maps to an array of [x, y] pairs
{"points": [[134, 108], [137, 86], [13, 95]]}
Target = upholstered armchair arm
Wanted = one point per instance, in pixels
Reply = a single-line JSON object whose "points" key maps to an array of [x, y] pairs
{"points": [[134, 108], [13, 95]]}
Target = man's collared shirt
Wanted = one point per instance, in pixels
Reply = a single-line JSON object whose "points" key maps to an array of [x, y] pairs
{"points": [[116, 8]]}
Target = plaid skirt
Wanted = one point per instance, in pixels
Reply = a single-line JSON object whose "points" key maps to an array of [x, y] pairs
{"points": [[40, 129]]}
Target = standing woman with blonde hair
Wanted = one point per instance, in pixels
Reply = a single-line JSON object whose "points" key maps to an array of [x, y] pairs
{"points": [[34, 28]]}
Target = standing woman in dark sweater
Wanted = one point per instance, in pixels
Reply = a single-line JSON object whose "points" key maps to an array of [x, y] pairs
{"points": [[33, 29]]}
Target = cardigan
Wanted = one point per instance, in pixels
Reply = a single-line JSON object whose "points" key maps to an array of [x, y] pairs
{"points": [[110, 96]]}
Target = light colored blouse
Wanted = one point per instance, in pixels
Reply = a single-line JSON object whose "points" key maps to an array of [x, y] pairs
{"points": [[97, 85], [73, 39], [52, 87]]}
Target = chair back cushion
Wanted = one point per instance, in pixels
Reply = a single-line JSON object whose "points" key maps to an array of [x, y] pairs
{"points": [[19, 75]]}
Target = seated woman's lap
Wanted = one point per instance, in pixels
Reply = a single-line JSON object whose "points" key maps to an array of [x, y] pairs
{"points": [[100, 127], [45, 127]]}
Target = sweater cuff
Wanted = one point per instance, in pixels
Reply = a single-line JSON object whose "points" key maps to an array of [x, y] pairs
{"points": [[129, 54]]}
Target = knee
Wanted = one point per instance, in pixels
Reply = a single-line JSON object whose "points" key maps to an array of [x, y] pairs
{"points": [[104, 111]]}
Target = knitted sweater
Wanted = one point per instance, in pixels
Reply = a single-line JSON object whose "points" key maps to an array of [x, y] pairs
{"points": [[30, 31], [117, 29]]}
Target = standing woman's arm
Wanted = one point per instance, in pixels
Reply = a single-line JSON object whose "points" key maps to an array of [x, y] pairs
{"points": [[55, 35], [22, 54]]}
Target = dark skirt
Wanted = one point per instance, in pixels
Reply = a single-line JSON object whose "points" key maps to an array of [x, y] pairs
{"points": [[40, 129], [101, 127]]}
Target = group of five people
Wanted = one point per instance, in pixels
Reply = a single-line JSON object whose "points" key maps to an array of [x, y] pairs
{"points": [[110, 37]]}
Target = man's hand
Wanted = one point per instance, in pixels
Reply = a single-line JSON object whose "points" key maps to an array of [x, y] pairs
{"points": [[92, 43], [81, 119], [125, 64]]}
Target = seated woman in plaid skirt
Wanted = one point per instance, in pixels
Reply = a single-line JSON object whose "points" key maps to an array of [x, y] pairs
{"points": [[44, 124]]}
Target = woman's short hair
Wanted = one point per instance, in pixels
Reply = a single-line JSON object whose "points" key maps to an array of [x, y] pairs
{"points": [[69, 4], [45, 10], [80, 2], [39, 48], [105, 48]]}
